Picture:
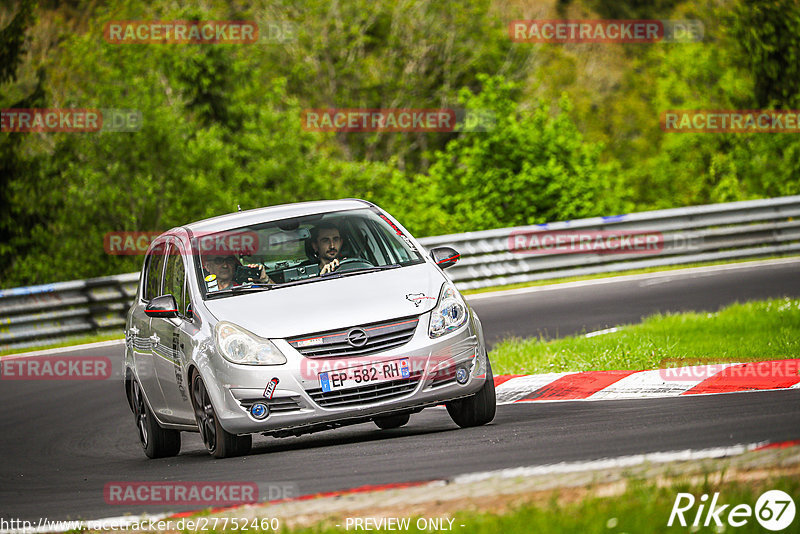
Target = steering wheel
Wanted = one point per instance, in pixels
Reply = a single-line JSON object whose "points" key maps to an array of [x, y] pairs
{"points": [[351, 264]]}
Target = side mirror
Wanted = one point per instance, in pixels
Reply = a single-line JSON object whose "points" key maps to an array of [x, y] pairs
{"points": [[444, 256], [164, 307]]}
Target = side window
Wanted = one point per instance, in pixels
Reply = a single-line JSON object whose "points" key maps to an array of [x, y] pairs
{"points": [[175, 277], [187, 299], [155, 263]]}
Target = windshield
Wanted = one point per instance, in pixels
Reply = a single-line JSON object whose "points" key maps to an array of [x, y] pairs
{"points": [[300, 250]]}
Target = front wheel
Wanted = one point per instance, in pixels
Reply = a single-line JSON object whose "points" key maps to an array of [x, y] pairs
{"points": [[157, 442], [477, 409], [219, 442]]}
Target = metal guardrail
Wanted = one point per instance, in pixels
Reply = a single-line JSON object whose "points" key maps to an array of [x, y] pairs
{"points": [[34, 315]]}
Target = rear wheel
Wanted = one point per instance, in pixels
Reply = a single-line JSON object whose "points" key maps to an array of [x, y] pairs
{"points": [[392, 421], [477, 409], [219, 442], [157, 442]]}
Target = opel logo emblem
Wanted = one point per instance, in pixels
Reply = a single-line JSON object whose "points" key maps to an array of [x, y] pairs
{"points": [[357, 337]]}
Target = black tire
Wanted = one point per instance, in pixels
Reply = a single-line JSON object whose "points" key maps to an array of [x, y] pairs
{"points": [[157, 442], [219, 442], [392, 421], [477, 409]]}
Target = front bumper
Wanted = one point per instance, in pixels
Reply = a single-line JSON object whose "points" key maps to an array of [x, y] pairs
{"points": [[298, 403]]}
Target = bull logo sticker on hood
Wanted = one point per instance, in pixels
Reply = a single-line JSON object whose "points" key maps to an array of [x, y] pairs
{"points": [[417, 298]]}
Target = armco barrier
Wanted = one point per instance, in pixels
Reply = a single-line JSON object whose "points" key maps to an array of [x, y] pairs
{"points": [[49, 313]]}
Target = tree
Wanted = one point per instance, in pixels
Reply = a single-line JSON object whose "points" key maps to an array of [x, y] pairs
{"points": [[14, 166], [532, 166], [767, 34]]}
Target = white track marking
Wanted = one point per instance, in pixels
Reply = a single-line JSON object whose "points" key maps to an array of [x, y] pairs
{"points": [[602, 332], [609, 463], [517, 388], [658, 383]]}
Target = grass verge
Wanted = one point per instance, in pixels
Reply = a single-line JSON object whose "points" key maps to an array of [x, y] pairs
{"points": [[759, 330]]}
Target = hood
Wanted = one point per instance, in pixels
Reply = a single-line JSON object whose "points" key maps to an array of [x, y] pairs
{"points": [[332, 304]]}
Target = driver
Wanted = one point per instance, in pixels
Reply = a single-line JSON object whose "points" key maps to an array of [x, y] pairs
{"points": [[224, 268], [327, 244]]}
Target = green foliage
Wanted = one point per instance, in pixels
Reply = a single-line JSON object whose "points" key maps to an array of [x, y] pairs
{"points": [[530, 167], [15, 218], [198, 154], [767, 33], [387, 54], [12, 39], [576, 134]]}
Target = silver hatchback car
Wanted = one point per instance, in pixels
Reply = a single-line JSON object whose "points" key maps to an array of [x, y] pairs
{"points": [[292, 319]]}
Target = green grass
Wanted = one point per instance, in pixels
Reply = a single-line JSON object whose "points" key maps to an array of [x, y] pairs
{"points": [[613, 275], [757, 330], [66, 343], [642, 508]]}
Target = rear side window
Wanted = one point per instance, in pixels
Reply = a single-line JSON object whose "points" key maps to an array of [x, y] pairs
{"points": [[175, 277], [155, 264]]}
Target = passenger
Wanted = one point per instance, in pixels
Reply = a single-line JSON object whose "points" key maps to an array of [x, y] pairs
{"points": [[327, 244], [224, 268]]}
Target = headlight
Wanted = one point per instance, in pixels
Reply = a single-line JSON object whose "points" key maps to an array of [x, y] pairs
{"points": [[450, 313], [237, 345]]}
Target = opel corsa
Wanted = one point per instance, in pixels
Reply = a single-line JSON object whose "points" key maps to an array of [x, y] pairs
{"points": [[292, 319]]}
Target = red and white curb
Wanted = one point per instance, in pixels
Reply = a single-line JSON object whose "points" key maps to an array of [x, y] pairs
{"points": [[673, 382]]}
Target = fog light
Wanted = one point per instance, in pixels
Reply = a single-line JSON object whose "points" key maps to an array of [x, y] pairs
{"points": [[259, 410], [462, 375]]}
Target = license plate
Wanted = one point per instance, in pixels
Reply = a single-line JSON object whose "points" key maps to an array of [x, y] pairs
{"points": [[364, 374]]}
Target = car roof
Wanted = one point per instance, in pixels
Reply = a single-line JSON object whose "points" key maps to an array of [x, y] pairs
{"points": [[273, 213]]}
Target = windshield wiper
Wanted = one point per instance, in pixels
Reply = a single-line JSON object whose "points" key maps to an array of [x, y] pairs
{"points": [[366, 270], [254, 288]]}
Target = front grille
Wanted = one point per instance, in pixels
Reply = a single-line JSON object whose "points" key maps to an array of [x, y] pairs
{"points": [[443, 377], [366, 394], [276, 405], [446, 375], [379, 337]]}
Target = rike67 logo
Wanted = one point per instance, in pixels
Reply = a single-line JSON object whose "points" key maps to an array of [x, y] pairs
{"points": [[774, 510]]}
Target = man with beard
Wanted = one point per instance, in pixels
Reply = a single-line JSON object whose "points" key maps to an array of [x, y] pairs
{"points": [[327, 243]]}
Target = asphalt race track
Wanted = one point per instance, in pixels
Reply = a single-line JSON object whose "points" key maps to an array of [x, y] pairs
{"points": [[63, 441]]}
